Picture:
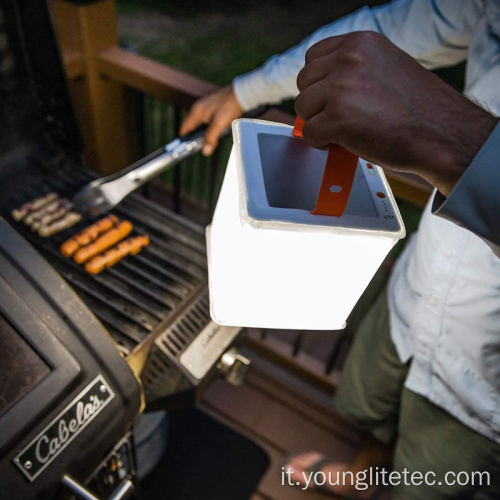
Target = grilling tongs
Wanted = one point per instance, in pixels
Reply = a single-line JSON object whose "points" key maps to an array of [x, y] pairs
{"points": [[101, 195]]}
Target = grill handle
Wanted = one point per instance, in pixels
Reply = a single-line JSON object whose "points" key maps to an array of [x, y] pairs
{"points": [[124, 490]]}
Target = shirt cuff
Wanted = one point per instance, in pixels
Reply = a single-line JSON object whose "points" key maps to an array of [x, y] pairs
{"points": [[474, 202], [252, 90]]}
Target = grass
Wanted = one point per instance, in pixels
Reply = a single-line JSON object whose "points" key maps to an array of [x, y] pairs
{"points": [[220, 39], [207, 55]]}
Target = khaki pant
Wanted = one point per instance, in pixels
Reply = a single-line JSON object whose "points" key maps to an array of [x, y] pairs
{"points": [[427, 439]]}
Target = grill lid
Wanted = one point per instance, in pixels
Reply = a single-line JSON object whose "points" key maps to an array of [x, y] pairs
{"points": [[36, 111]]}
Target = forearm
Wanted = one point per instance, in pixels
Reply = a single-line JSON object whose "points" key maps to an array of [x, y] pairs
{"points": [[276, 79], [436, 33]]}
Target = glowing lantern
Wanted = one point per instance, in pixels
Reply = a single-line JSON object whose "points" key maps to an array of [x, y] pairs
{"points": [[272, 263]]}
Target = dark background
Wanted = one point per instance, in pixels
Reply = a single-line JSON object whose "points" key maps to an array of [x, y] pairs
{"points": [[219, 39]]}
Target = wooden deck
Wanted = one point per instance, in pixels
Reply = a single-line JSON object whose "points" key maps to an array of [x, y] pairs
{"points": [[282, 414]]}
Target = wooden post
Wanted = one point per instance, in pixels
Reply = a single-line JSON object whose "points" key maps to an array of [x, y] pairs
{"points": [[99, 101]]}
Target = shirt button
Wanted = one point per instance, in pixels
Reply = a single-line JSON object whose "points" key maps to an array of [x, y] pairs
{"points": [[433, 302], [448, 254]]}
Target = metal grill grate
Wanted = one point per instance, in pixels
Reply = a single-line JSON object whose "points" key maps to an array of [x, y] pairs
{"points": [[142, 292]]}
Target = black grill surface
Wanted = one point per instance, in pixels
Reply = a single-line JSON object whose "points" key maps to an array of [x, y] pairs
{"points": [[140, 294]]}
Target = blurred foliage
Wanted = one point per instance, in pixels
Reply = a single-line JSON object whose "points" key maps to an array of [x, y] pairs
{"points": [[207, 55], [220, 39]]}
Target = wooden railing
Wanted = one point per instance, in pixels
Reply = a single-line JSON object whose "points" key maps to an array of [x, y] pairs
{"points": [[128, 105]]}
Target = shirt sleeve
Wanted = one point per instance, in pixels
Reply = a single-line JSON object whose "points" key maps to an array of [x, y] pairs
{"points": [[436, 32], [474, 203]]}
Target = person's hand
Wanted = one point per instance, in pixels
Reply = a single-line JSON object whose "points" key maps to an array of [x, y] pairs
{"points": [[364, 93], [218, 110]]}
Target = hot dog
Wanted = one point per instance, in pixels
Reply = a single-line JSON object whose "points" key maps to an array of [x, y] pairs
{"points": [[112, 237], [21, 212], [88, 235], [68, 220], [115, 254], [43, 219], [37, 214]]}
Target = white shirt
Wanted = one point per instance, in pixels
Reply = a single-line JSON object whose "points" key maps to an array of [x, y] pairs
{"points": [[444, 292]]}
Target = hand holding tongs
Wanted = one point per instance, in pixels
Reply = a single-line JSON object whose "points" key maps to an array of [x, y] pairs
{"points": [[103, 194]]}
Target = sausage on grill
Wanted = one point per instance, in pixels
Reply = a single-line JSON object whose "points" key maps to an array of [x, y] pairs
{"points": [[68, 220], [38, 214], [21, 212], [115, 254], [112, 237], [43, 219], [88, 235]]}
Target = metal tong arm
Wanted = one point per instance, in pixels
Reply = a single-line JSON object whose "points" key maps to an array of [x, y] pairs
{"points": [[121, 184]]}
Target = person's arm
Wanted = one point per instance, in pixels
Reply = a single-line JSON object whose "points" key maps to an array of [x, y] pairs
{"points": [[362, 92], [435, 32], [474, 203]]}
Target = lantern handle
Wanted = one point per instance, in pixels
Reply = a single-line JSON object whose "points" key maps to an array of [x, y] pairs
{"points": [[336, 184]]}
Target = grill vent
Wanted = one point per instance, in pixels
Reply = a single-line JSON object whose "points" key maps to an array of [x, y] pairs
{"points": [[158, 368], [177, 338]]}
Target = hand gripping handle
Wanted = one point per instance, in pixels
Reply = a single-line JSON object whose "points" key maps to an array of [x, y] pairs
{"points": [[338, 177]]}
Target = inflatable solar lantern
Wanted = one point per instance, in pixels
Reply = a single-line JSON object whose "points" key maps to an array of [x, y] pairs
{"points": [[294, 243]]}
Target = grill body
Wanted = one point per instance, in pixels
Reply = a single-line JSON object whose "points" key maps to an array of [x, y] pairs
{"points": [[56, 355], [155, 304], [81, 355]]}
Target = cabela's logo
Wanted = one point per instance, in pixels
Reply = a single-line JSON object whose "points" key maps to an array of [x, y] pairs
{"points": [[210, 332], [46, 448], [64, 428]]}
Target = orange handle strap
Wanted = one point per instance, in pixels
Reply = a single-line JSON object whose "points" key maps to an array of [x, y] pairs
{"points": [[340, 169]]}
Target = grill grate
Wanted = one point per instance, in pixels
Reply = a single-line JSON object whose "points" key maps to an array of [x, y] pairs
{"points": [[182, 332], [139, 294]]}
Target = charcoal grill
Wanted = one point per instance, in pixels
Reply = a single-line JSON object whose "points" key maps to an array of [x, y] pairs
{"points": [[154, 305]]}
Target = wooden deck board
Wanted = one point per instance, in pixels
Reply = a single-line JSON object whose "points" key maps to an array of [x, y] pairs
{"points": [[244, 404], [302, 398], [282, 415], [291, 432]]}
